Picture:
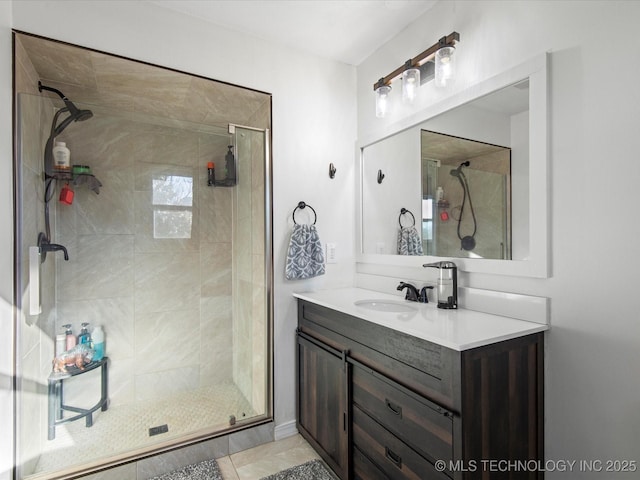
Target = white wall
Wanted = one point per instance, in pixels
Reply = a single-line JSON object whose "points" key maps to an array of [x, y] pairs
{"points": [[399, 159], [593, 349], [314, 123], [6, 246]]}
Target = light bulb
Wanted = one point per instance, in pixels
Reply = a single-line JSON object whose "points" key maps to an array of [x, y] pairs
{"points": [[382, 100], [445, 72], [410, 84]]}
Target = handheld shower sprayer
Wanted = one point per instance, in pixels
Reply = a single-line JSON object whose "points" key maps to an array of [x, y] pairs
{"points": [[467, 242], [456, 172], [75, 114]]}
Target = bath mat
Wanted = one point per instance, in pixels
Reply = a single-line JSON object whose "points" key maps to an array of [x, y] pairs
{"points": [[313, 470], [207, 470]]}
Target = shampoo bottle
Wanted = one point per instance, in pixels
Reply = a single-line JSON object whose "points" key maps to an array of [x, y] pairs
{"points": [[98, 343], [70, 337], [61, 157], [84, 336], [70, 342]]}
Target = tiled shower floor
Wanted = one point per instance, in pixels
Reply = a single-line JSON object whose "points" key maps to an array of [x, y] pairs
{"points": [[124, 428]]}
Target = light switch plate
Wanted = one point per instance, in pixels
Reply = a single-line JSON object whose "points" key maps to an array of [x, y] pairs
{"points": [[331, 253]]}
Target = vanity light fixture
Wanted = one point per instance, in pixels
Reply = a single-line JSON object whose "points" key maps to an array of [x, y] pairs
{"points": [[441, 53], [410, 82], [382, 99], [445, 66]]}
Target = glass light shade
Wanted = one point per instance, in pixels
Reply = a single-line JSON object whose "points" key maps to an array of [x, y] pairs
{"points": [[382, 100], [410, 84], [445, 66]]}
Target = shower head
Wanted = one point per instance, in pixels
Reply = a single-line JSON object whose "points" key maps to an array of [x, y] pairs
{"points": [[82, 115], [75, 114], [457, 171]]}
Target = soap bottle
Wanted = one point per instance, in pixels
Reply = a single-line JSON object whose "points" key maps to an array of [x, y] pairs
{"points": [[211, 174], [61, 344], [70, 337], [98, 343], [84, 336], [230, 167], [61, 157]]}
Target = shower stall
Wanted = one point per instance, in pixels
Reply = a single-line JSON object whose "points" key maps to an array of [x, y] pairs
{"points": [[466, 194], [176, 271]]}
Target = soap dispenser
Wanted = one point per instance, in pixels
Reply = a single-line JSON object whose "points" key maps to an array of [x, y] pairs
{"points": [[70, 337], [84, 336], [447, 288]]}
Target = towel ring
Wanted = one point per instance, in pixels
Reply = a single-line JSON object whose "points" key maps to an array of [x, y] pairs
{"points": [[402, 212], [302, 205]]}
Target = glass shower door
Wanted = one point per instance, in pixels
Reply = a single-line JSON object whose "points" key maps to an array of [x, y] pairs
{"points": [[175, 271]]}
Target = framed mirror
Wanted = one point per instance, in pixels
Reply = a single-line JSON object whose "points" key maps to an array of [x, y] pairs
{"points": [[465, 179]]}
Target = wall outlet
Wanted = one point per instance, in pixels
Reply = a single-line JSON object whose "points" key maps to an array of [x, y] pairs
{"points": [[331, 253]]}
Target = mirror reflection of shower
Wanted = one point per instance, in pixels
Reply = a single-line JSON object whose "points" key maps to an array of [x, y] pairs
{"points": [[458, 222], [467, 242]]}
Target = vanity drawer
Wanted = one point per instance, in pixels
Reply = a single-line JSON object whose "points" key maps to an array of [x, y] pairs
{"points": [[365, 469], [391, 455], [423, 425]]}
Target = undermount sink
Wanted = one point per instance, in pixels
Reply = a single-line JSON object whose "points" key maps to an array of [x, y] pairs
{"points": [[385, 306]]}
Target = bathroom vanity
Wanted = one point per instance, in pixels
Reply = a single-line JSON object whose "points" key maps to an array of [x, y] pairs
{"points": [[395, 389]]}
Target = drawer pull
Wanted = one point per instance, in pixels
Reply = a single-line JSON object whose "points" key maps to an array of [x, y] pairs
{"points": [[393, 457], [396, 409]]}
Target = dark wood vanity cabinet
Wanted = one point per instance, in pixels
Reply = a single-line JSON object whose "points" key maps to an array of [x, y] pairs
{"points": [[379, 404], [323, 402]]}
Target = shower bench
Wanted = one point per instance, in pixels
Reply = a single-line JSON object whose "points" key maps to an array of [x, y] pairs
{"points": [[56, 396]]}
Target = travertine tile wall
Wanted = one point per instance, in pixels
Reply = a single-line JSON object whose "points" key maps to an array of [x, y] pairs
{"points": [[164, 303]]}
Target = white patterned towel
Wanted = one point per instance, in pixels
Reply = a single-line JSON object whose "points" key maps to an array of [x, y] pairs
{"points": [[305, 258], [409, 242]]}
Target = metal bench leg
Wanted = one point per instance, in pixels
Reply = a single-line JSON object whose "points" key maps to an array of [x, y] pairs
{"points": [[52, 404], [104, 387]]}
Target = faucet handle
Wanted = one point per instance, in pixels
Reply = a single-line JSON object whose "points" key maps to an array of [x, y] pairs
{"points": [[423, 298]]}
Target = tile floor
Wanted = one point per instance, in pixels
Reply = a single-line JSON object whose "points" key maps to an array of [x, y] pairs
{"points": [[266, 459], [124, 428]]}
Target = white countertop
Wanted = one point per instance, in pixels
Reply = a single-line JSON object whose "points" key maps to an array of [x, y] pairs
{"points": [[456, 329]]}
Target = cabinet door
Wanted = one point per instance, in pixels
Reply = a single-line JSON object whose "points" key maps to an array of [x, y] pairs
{"points": [[322, 402]]}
